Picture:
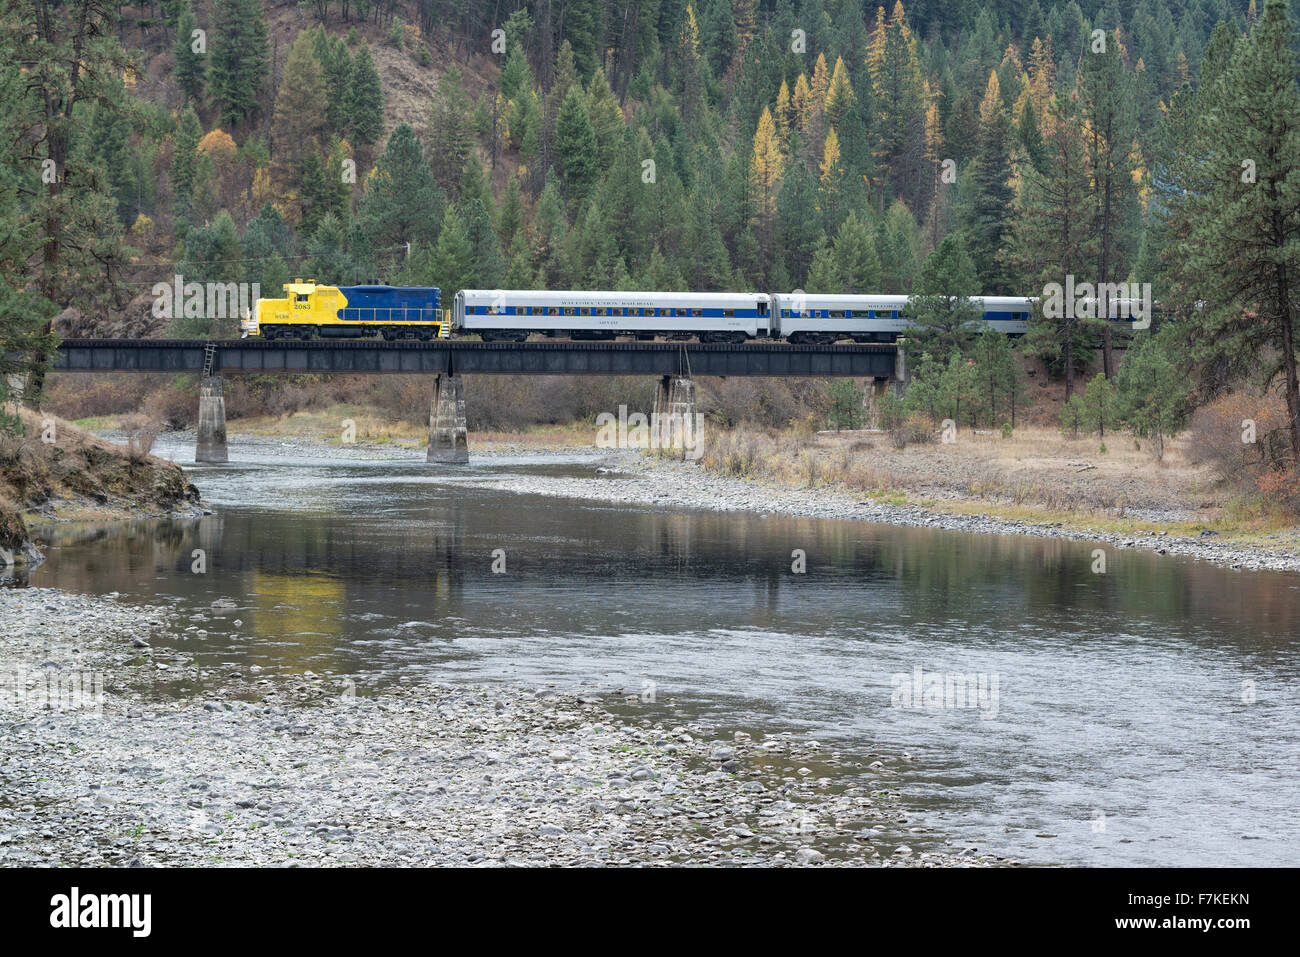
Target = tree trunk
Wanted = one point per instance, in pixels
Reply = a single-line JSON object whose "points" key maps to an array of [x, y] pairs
{"points": [[1288, 361], [1069, 362]]}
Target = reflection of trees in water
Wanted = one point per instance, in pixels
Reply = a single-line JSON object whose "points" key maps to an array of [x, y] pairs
{"points": [[428, 559], [347, 548], [118, 556]]}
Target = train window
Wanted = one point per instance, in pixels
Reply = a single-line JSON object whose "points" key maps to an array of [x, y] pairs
{"points": [[697, 312], [837, 313], [728, 313]]}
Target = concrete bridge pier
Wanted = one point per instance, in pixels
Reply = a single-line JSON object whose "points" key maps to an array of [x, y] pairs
{"points": [[881, 385], [448, 440], [674, 414], [876, 391], [211, 443]]}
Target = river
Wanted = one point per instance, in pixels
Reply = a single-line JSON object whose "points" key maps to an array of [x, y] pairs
{"points": [[1147, 714]]}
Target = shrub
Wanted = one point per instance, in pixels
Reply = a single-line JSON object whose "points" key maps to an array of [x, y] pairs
{"points": [[172, 407]]}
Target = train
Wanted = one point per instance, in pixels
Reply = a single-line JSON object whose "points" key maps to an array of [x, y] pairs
{"points": [[309, 310]]}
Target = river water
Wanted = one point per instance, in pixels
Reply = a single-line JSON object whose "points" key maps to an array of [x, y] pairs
{"points": [[1146, 715]]}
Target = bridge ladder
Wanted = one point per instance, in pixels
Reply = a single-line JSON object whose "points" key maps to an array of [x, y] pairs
{"points": [[209, 359]]}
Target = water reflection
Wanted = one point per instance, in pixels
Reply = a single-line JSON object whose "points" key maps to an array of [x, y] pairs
{"points": [[1122, 694]]}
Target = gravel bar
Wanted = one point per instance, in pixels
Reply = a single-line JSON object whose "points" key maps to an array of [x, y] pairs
{"points": [[98, 767]]}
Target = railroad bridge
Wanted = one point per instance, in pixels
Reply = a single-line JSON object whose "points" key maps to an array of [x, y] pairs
{"points": [[675, 363]]}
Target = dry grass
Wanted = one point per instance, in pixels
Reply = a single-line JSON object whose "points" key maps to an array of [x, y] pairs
{"points": [[1037, 470], [58, 467]]}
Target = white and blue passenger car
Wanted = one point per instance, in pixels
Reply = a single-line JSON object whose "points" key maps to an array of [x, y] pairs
{"points": [[806, 317], [512, 314]]}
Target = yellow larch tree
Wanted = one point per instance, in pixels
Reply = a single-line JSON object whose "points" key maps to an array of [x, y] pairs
{"points": [[821, 81], [784, 112], [803, 105], [832, 176], [765, 171], [839, 96]]}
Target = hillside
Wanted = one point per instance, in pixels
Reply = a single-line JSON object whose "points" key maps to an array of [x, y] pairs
{"points": [[936, 150]]}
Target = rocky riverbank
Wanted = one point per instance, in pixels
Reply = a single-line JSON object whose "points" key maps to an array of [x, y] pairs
{"points": [[116, 751], [56, 471]]}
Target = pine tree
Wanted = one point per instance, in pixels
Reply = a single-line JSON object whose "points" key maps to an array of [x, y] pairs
{"points": [[1243, 248], [24, 312], [1055, 237], [487, 264], [575, 144], [450, 132], [688, 59], [190, 64], [798, 225], [857, 264], [1152, 389], [365, 99], [998, 373], [824, 273], [239, 58], [1106, 95], [402, 203], [184, 166], [898, 100], [336, 71], [899, 245], [511, 219], [990, 195], [607, 120], [328, 248], [67, 57], [453, 255], [299, 119], [943, 320], [1099, 404], [268, 241], [516, 75]]}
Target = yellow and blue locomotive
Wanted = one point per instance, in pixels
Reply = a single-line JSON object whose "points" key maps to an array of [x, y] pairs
{"points": [[348, 312]]}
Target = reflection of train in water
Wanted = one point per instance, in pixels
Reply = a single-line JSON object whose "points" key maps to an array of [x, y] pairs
{"points": [[513, 315]]}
